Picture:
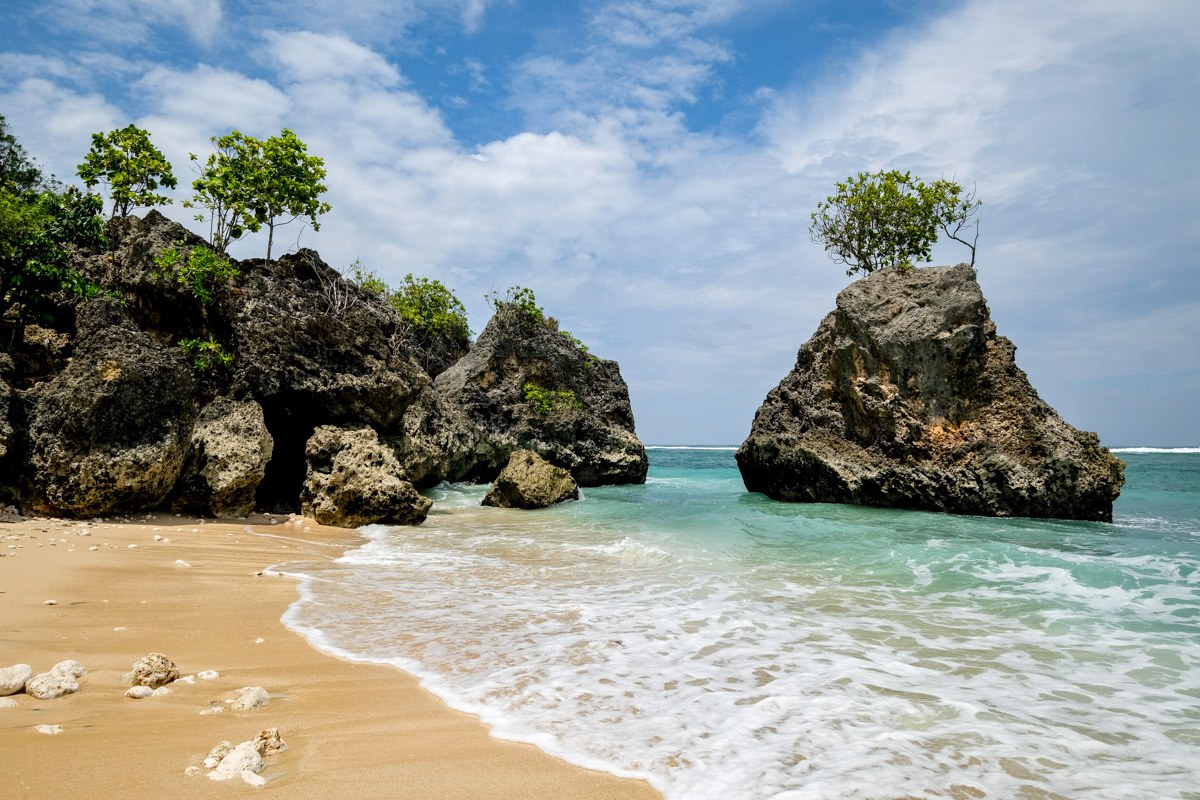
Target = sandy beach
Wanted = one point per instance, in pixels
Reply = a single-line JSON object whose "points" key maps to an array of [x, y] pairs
{"points": [[107, 594]]}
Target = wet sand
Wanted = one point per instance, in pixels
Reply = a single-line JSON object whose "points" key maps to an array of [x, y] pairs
{"points": [[354, 730]]}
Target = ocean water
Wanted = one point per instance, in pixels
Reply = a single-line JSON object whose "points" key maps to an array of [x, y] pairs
{"points": [[724, 646]]}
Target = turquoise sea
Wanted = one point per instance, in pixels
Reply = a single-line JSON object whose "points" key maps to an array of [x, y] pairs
{"points": [[725, 646]]}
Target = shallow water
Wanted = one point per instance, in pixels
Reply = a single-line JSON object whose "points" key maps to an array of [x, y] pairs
{"points": [[726, 646]]}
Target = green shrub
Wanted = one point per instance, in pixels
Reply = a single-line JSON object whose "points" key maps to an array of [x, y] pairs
{"points": [[430, 308], [202, 271], [547, 401], [518, 303], [206, 354]]}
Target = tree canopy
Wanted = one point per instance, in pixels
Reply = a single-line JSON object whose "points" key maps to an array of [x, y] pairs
{"points": [[891, 219], [130, 166], [248, 183]]}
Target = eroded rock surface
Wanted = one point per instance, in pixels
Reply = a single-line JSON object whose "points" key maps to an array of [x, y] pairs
{"points": [[589, 433], [354, 480], [13, 679], [529, 481], [110, 431], [906, 397], [154, 670], [229, 451]]}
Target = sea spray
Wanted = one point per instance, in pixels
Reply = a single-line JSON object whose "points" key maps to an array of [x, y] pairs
{"points": [[725, 646]]}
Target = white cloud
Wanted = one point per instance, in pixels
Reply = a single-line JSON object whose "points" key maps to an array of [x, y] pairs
{"points": [[304, 56], [134, 21], [60, 121]]}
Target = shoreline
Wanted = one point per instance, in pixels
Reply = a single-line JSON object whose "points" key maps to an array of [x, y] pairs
{"points": [[200, 594]]}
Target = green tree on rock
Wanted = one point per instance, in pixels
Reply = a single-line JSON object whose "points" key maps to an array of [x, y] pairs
{"points": [[891, 219], [248, 183], [130, 166]]}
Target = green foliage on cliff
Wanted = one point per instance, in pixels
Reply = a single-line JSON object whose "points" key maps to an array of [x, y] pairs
{"points": [[549, 401], [248, 183], [206, 354], [430, 308], [517, 303], [41, 224], [200, 270], [891, 219], [132, 168]]}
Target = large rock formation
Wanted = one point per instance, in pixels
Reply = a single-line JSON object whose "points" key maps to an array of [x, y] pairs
{"points": [[110, 431], [229, 453], [529, 481], [355, 480], [906, 397], [527, 386]]}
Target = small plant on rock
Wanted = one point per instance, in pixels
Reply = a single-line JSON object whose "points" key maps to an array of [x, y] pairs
{"points": [[206, 354], [200, 270], [518, 303], [548, 401]]}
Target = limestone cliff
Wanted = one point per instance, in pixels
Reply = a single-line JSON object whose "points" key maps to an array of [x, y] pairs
{"points": [[907, 397], [102, 409]]}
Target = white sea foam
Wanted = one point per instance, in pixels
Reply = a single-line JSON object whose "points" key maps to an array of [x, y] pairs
{"points": [[1155, 449], [804, 653]]}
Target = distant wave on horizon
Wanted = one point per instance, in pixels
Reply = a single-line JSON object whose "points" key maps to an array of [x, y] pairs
{"points": [[689, 447], [1155, 449]]}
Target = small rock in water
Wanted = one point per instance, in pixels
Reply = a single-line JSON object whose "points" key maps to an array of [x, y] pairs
{"points": [[49, 729], [154, 670], [139, 692], [250, 698], [13, 679]]}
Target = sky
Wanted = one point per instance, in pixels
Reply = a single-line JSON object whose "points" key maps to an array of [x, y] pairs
{"points": [[648, 167]]}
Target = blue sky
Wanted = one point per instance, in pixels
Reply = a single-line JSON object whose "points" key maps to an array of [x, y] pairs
{"points": [[648, 166]]}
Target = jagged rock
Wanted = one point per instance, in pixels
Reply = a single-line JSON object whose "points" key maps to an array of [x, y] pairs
{"points": [[269, 743], [355, 480], [228, 456], [434, 441], [50, 685], [249, 698], [110, 431], [593, 438], [153, 670], [529, 481], [906, 397], [13, 679]]}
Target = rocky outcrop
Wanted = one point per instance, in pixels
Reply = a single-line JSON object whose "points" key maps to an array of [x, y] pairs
{"points": [[529, 481], [526, 386], [228, 456], [355, 480], [906, 397], [110, 431]]}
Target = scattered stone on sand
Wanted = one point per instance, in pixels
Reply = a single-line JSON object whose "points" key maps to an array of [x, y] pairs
{"points": [[50, 685], [250, 698], [179, 562], [208, 712], [13, 679], [208, 675], [49, 602], [138, 692], [268, 742], [161, 691], [48, 729], [70, 667], [219, 751], [238, 761], [8, 702], [154, 670]]}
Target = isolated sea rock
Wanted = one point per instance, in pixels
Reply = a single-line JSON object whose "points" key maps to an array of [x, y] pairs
{"points": [[593, 437], [529, 481], [14, 678], [230, 448], [110, 431], [153, 670], [354, 480], [906, 397]]}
